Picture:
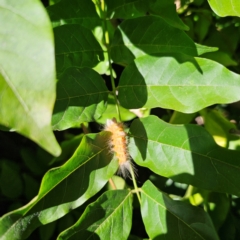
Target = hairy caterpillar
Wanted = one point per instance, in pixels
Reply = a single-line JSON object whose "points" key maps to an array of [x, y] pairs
{"points": [[118, 145]]}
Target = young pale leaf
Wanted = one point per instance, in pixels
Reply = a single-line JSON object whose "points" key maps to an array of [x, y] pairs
{"points": [[218, 126], [27, 72], [81, 97], [74, 11], [75, 46], [177, 81], [225, 8], [167, 219], [150, 34], [166, 9], [110, 217], [63, 188], [185, 153], [126, 8]]}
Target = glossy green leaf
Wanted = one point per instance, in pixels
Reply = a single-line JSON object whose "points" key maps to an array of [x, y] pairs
{"points": [[178, 82], [110, 217], [75, 46], [63, 188], [167, 219], [134, 38], [76, 11], [126, 8], [27, 71], [225, 8], [166, 9], [185, 153], [81, 97]]}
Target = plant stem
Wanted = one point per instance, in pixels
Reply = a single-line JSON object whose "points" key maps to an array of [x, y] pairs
{"points": [[111, 182], [135, 183], [107, 43]]}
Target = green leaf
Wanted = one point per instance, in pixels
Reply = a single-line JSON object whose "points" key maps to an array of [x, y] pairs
{"points": [[225, 39], [98, 32], [222, 58], [68, 220], [110, 217], [46, 232], [134, 38], [75, 46], [111, 112], [63, 188], [27, 72], [52, 2], [178, 82], [225, 8], [165, 218], [219, 208], [186, 154], [218, 126], [166, 9], [182, 118], [204, 21], [230, 228], [81, 97], [75, 11], [126, 8]]}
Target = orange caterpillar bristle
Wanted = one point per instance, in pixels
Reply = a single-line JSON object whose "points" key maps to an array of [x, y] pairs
{"points": [[118, 144]]}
